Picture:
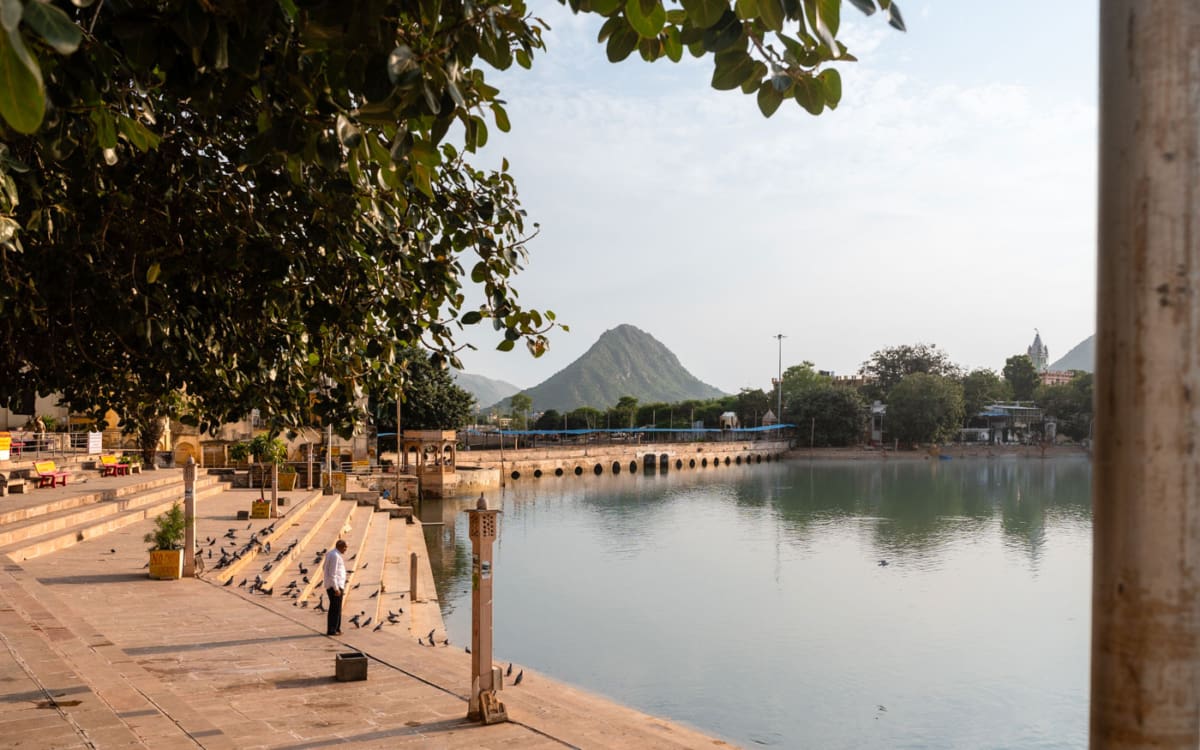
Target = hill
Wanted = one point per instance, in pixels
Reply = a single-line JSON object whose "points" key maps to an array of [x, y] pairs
{"points": [[624, 361], [1082, 357], [485, 390]]}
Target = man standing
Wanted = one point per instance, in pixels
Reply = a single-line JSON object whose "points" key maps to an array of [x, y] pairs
{"points": [[334, 572]]}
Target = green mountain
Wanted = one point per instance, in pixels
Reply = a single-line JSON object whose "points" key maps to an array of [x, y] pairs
{"points": [[1082, 357], [485, 390], [624, 361]]}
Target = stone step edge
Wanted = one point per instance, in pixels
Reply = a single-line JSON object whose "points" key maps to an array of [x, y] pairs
{"points": [[357, 553], [53, 506], [281, 568], [317, 579], [56, 540], [39, 525], [289, 519]]}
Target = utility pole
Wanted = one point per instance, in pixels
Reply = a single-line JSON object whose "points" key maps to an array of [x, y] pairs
{"points": [[779, 381]]}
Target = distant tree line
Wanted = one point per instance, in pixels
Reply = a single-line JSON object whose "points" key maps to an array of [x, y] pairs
{"points": [[928, 397]]}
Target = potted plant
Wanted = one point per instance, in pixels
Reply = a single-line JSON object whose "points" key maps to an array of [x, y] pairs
{"points": [[267, 451], [287, 478], [239, 452], [134, 460], [166, 550]]}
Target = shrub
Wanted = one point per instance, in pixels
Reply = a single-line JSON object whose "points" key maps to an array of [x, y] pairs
{"points": [[169, 530]]}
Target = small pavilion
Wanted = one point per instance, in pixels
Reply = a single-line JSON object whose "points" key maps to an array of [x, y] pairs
{"points": [[431, 455]]}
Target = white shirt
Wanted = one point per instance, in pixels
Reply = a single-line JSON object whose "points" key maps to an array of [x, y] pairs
{"points": [[334, 570]]}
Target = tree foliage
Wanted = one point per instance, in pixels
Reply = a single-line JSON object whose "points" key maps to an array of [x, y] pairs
{"points": [[982, 387], [887, 367], [797, 380], [431, 399], [1022, 377], [1070, 404], [828, 414], [924, 408], [521, 404], [243, 200]]}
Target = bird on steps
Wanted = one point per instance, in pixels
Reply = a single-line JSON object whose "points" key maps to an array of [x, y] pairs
{"points": [[520, 676]]}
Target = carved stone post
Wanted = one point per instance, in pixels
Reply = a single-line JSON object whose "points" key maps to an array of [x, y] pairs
{"points": [[189, 513], [484, 705]]}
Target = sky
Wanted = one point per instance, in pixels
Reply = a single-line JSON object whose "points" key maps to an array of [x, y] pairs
{"points": [[950, 199]]}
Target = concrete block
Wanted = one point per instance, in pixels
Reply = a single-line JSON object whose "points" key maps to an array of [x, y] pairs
{"points": [[350, 666]]}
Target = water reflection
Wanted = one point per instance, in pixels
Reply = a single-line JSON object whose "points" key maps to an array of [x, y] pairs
{"points": [[749, 601]]}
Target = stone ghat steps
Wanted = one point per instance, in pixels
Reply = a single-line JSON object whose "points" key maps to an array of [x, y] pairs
{"points": [[44, 521], [41, 502], [275, 532], [66, 528]]}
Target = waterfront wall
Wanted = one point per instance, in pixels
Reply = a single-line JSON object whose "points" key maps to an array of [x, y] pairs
{"points": [[592, 460]]}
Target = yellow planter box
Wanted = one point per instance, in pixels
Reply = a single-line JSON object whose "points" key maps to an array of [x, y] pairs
{"points": [[260, 510], [166, 564]]}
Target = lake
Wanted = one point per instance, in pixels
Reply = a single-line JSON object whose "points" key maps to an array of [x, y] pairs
{"points": [[753, 603]]}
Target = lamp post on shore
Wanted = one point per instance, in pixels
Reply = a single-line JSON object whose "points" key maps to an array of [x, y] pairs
{"points": [[779, 381]]}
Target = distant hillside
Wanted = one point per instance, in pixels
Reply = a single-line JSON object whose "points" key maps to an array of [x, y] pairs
{"points": [[624, 361], [485, 390], [1082, 357]]}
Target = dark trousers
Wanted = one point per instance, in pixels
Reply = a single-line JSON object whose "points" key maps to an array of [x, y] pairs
{"points": [[334, 621]]}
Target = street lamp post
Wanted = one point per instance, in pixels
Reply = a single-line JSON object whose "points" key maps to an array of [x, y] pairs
{"points": [[779, 388]]}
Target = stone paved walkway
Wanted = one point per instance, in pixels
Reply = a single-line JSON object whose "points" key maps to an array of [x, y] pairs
{"points": [[191, 664]]}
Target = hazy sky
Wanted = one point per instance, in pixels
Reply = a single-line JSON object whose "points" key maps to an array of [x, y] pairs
{"points": [[950, 199]]}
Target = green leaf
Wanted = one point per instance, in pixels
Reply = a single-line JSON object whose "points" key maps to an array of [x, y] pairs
{"points": [[106, 128], [647, 19], [137, 134], [54, 26], [505, 346], [400, 60], [771, 13], [704, 13], [731, 69], [605, 7], [22, 98], [152, 273], [827, 21], [895, 20], [347, 132], [746, 9], [723, 34], [10, 14], [471, 318], [288, 7], [866, 6], [810, 94], [671, 44], [622, 43], [769, 98], [501, 117], [831, 80]]}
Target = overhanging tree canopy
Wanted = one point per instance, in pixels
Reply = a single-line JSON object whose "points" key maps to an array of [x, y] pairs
{"points": [[261, 203]]}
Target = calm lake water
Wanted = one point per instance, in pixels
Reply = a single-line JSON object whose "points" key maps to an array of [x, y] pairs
{"points": [[750, 603]]}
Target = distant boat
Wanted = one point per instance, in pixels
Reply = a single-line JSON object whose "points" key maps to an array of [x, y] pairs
{"points": [[944, 457]]}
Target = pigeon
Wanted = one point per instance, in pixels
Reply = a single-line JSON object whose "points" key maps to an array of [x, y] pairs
{"points": [[373, 595], [248, 526], [363, 565], [467, 649], [883, 563], [430, 636], [520, 676], [243, 583], [306, 579], [267, 548], [146, 565], [304, 604], [354, 621], [354, 556], [210, 554], [229, 582], [112, 552], [508, 673], [377, 628], [303, 570], [421, 642], [445, 641], [367, 623], [356, 585]]}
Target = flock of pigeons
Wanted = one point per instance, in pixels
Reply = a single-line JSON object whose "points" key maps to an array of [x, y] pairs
{"points": [[293, 590]]}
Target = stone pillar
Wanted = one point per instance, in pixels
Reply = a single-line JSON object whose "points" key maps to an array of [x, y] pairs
{"points": [[274, 490], [189, 514], [1146, 472], [482, 528]]}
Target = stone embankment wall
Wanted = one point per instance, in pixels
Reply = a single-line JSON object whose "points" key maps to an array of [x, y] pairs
{"points": [[576, 460]]}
